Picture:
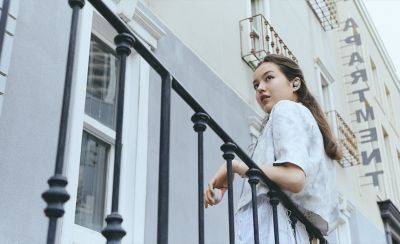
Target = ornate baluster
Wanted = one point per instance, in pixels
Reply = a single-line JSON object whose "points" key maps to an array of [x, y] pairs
{"points": [[252, 35], [56, 196], [280, 45], [229, 150], [254, 178], [272, 40], [200, 124], [274, 200], [113, 231], [267, 37]]}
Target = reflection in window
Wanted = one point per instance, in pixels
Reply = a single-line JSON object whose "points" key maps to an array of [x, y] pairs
{"points": [[102, 83], [92, 183]]}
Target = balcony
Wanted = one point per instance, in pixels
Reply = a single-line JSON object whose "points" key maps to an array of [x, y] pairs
{"points": [[258, 38], [347, 139], [326, 13]]}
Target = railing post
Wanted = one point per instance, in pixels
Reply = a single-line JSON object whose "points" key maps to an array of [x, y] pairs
{"points": [[254, 179], [163, 174], [200, 124], [293, 220], [229, 150], [56, 195], [274, 200], [113, 230]]}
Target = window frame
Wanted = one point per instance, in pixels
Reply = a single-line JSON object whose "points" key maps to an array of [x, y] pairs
{"points": [[132, 204]]}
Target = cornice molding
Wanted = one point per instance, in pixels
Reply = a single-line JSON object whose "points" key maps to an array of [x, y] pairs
{"points": [[133, 13]]}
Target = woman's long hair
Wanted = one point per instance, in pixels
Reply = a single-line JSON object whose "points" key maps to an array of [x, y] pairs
{"points": [[292, 70]]}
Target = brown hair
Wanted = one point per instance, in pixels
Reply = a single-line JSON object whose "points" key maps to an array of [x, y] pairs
{"points": [[292, 70]]}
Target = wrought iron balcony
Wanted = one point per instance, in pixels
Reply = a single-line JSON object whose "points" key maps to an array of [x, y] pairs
{"points": [[326, 13], [258, 38], [347, 139]]}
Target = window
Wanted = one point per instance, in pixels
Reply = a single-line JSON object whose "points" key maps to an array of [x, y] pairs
{"points": [[92, 138], [90, 203], [325, 82], [95, 159], [256, 7], [256, 26], [326, 94], [101, 83]]}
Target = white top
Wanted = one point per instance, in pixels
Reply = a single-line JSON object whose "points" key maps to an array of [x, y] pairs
{"points": [[292, 135]]}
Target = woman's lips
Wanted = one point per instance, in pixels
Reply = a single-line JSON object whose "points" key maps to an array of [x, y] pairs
{"points": [[264, 98]]}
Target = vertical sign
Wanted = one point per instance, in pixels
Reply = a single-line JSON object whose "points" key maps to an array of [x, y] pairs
{"points": [[357, 84]]}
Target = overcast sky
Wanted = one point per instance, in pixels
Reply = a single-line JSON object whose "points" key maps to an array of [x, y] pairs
{"points": [[386, 17]]}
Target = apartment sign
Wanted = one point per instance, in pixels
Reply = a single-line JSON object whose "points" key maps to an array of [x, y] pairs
{"points": [[356, 80]]}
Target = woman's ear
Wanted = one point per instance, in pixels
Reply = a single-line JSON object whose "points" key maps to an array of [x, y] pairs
{"points": [[296, 83]]}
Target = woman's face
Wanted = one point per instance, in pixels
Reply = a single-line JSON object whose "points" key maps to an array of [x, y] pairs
{"points": [[271, 86]]}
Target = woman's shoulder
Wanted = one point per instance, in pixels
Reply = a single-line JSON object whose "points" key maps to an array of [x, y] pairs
{"points": [[291, 108]]}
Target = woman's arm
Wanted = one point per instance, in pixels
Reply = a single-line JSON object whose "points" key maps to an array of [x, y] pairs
{"points": [[287, 176]]}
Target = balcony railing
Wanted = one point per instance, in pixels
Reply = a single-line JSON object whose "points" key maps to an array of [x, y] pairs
{"points": [[258, 38], [326, 13], [57, 195], [347, 139]]}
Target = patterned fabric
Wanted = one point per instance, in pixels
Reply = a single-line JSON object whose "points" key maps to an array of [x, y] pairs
{"points": [[245, 233], [292, 135]]}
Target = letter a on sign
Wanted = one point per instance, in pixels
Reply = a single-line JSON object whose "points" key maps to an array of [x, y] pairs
{"points": [[355, 57], [350, 23]]}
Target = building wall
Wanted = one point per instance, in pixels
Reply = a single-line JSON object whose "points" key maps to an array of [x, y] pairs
{"points": [[212, 32], [209, 90], [30, 118]]}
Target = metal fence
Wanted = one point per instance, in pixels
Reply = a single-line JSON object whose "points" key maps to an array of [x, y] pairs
{"points": [[57, 195]]}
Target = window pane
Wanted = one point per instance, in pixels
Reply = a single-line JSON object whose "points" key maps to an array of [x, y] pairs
{"points": [[92, 183], [102, 83]]}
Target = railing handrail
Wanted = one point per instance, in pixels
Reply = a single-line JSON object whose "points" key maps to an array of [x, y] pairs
{"points": [[153, 61]]}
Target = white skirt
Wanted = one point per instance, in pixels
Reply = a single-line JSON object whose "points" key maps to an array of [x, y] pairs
{"points": [[244, 233]]}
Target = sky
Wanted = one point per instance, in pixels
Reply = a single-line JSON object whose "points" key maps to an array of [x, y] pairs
{"points": [[386, 18]]}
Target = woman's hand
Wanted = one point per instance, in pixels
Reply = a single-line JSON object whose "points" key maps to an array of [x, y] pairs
{"points": [[220, 181]]}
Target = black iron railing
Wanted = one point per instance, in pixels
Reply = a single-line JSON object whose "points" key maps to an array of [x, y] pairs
{"points": [[56, 196]]}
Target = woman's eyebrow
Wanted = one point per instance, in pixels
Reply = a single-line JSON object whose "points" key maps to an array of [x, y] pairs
{"points": [[269, 71]]}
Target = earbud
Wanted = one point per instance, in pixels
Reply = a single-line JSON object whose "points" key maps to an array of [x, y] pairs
{"points": [[295, 83]]}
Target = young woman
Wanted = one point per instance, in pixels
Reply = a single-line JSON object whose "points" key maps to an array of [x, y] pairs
{"points": [[296, 150]]}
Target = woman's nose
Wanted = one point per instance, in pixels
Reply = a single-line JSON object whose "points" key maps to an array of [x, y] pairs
{"points": [[261, 87]]}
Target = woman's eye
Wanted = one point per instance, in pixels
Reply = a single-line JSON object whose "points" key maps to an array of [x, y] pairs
{"points": [[255, 85], [269, 77]]}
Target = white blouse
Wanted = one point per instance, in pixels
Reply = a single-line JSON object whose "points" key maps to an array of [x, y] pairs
{"points": [[292, 135]]}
